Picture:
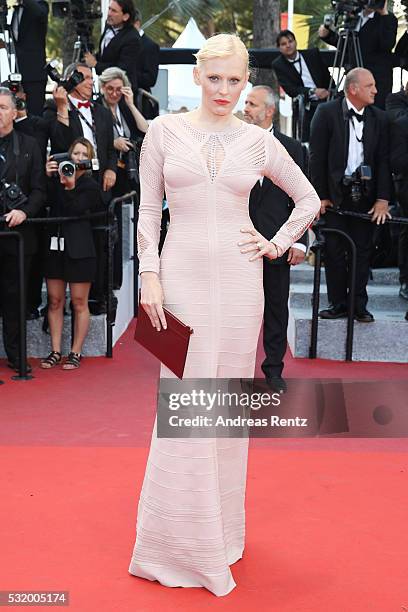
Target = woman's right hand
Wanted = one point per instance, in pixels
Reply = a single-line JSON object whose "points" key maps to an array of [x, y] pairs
{"points": [[152, 299], [122, 144], [51, 167]]}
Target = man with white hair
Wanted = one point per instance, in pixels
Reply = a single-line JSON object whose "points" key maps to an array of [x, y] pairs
{"points": [[269, 208], [347, 135]]}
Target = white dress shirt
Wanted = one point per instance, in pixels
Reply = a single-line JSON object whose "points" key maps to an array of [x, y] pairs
{"points": [[363, 20], [303, 70], [356, 150], [85, 112], [296, 245]]}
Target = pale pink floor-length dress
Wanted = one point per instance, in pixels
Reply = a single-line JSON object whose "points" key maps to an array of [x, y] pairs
{"points": [[191, 517]]}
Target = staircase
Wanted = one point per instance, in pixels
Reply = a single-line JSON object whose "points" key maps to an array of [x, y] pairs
{"points": [[384, 340]]}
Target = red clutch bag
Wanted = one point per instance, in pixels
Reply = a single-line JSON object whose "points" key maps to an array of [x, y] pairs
{"points": [[169, 345]]}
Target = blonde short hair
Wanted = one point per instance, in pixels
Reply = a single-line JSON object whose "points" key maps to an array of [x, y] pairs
{"points": [[222, 45]]}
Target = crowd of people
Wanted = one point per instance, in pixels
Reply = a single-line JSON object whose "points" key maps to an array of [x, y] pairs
{"points": [[97, 139], [343, 136]]}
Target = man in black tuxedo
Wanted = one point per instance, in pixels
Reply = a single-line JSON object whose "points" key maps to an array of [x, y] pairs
{"points": [[75, 115], [396, 104], [148, 65], [21, 163], [29, 30], [345, 134], [377, 33], [269, 208], [120, 44], [301, 73]]}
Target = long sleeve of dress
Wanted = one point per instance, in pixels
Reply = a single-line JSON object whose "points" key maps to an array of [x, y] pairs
{"points": [[151, 199], [282, 170]]}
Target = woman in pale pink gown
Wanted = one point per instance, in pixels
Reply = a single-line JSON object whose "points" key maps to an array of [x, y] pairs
{"points": [[191, 517]]}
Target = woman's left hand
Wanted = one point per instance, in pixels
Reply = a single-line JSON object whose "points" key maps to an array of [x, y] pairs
{"points": [[128, 95], [255, 242]]}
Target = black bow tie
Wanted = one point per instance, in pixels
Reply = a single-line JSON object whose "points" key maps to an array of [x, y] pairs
{"points": [[352, 113]]}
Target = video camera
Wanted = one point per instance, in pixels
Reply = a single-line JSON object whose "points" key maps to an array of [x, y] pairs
{"points": [[67, 167], [68, 84], [350, 10], [84, 12], [358, 182], [11, 197]]}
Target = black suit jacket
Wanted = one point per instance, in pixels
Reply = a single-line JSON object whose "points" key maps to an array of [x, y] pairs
{"points": [[122, 51], [84, 199], [270, 206], [37, 128], [148, 64], [62, 136], [396, 105], [290, 79], [329, 141], [30, 45], [31, 179]]}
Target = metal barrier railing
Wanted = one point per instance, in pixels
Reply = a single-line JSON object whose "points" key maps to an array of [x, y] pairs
{"points": [[109, 227], [317, 246]]}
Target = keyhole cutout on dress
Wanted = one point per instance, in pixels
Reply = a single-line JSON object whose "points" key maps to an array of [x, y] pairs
{"points": [[214, 155]]}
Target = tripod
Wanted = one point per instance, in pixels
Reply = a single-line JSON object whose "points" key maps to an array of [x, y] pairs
{"points": [[348, 48], [8, 57]]}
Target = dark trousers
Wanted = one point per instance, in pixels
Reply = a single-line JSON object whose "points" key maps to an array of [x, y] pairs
{"points": [[35, 92], [276, 314], [337, 258], [9, 295], [403, 243]]}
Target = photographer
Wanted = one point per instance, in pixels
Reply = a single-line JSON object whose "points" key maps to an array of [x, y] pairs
{"points": [[348, 134], [301, 73], [21, 169], [29, 30], [377, 32], [399, 165], [70, 250], [129, 128], [73, 115], [120, 42]]}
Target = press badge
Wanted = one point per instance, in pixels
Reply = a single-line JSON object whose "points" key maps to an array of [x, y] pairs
{"points": [[57, 243]]}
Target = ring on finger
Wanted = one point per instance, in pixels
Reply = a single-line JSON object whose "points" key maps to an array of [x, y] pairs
{"points": [[259, 245]]}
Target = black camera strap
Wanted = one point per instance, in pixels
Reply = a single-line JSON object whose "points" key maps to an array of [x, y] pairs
{"points": [[91, 126]]}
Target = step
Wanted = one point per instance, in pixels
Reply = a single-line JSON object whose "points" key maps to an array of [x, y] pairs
{"points": [[384, 340], [380, 297], [303, 273]]}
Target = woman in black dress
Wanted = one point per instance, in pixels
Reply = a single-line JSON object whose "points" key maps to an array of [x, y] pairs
{"points": [[70, 254]]}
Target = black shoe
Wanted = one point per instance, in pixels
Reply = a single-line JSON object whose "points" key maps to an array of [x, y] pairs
{"points": [[97, 308], [403, 292], [277, 384], [14, 365], [32, 315], [338, 311], [364, 316]]}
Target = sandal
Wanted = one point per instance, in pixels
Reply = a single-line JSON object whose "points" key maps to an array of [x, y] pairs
{"points": [[72, 362], [53, 359]]}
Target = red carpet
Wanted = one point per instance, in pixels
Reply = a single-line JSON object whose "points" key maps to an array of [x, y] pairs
{"points": [[326, 519]]}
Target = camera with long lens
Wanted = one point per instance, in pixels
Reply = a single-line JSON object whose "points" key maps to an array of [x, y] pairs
{"points": [[68, 84], [67, 167], [130, 161], [11, 196], [358, 183]]}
